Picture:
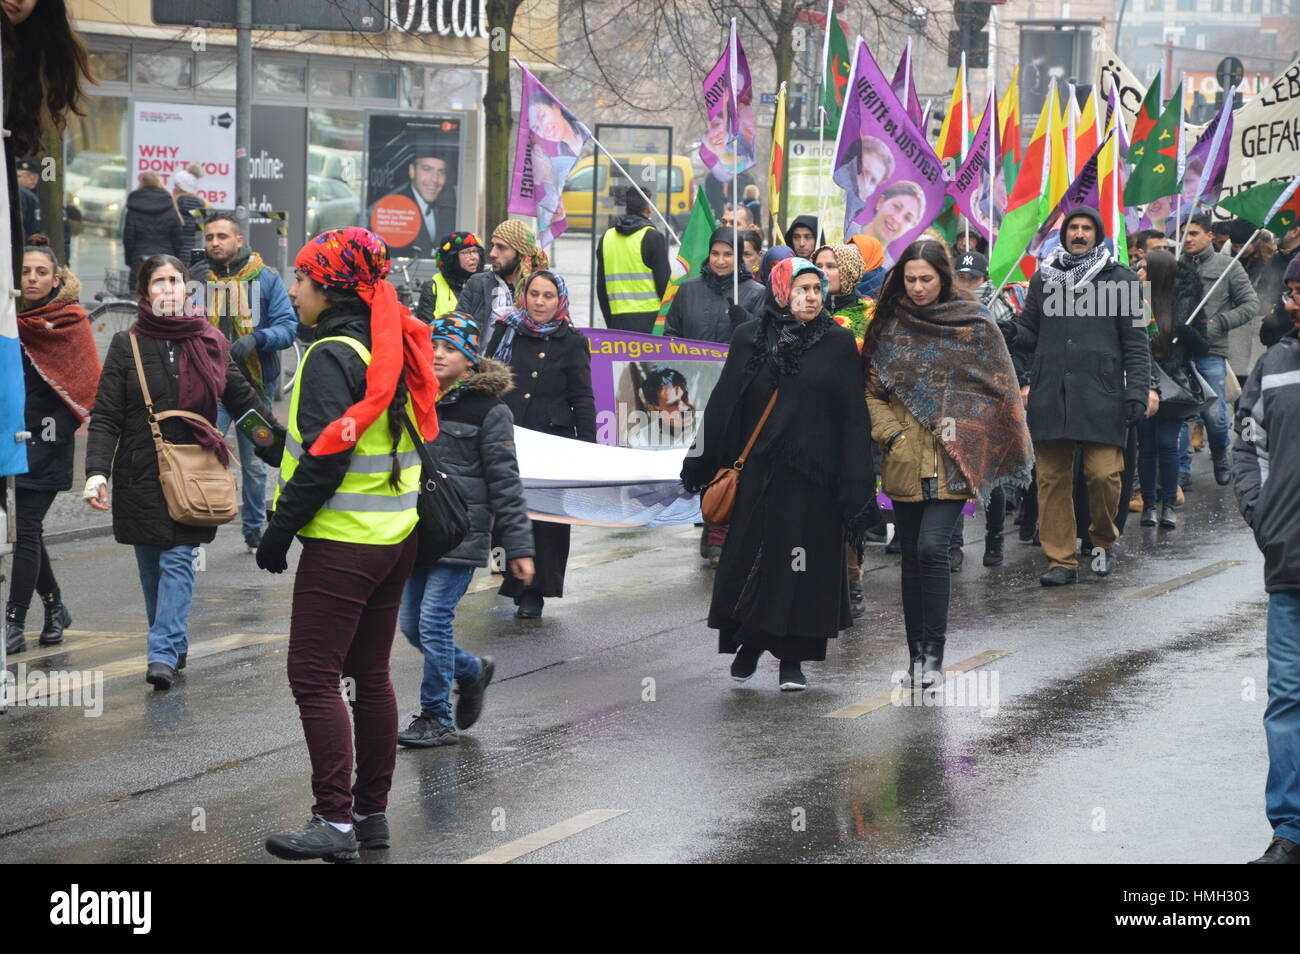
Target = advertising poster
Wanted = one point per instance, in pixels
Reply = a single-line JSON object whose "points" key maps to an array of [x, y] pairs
{"points": [[169, 136], [412, 180], [277, 170], [807, 162], [651, 391]]}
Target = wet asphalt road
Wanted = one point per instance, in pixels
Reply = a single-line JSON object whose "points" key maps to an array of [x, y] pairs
{"points": [[1123, 727]]}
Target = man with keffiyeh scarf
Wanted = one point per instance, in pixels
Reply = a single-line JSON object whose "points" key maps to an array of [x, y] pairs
{"points": [[512, 255], [1089, 381]]}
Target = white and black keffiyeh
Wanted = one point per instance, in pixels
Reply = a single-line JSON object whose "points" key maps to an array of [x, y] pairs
{"points": [[1073, 270]]}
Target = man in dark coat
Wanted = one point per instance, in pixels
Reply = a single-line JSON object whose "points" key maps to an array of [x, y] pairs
{"points": [[1089, 381], [641, 270], [1266, 477], [153, 226], [28, 180], [704, 308]]}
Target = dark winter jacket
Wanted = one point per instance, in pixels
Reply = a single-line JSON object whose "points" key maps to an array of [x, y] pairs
{"points": [[187, 204], [1266, 461], [1232, 304], [153, 227], [49, 462], [1187, 341], [1276, 322], [277, 322], [701, 309], [476, 299], [476, 447], [119, 445], [552, 377], [1084, 366], [654, 255]]}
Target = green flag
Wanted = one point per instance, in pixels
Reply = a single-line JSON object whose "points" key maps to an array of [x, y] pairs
{"points": [[1156, 174], [836, 63], [1014, 235], [1274, 205], [1147, 115], [693, 251]]}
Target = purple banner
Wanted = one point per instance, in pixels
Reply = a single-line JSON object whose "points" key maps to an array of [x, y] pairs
{"points": [[892, 180], [651, 391], [904, 86], [1084, 190], [977, 178], [548, 143], [727, 148]]}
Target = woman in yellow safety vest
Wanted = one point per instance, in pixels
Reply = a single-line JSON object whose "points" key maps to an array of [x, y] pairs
{"points": [[459, 256], [348, 486]]}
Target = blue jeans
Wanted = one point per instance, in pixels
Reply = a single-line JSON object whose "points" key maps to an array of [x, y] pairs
{"points": [[167, 578], [1158, 442], [1215, 419], [1282, 717], [252, 512], [426, 617]]}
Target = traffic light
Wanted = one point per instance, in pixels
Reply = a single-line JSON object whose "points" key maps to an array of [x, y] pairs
{"points": [[970, 37]]}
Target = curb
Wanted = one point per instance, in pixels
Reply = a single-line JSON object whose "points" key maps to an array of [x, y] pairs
{"points": [[72, 536]]}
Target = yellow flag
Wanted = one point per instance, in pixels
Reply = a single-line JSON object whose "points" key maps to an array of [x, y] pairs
{"points": [[776, 167]]}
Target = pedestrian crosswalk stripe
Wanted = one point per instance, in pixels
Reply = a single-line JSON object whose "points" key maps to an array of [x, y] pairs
{"points": [[547, 836], [1160, 589], [882, 699]]}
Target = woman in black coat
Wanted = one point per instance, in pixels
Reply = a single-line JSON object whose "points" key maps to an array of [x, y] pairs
{"points": [[781, 585], [152, 225], [60, 369], [187, 366], [551, 363]]}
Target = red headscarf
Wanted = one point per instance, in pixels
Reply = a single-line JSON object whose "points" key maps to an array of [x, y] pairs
{"points": [[357, 260]]}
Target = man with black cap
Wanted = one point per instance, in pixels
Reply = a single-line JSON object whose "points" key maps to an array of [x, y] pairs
{"points": [[1090, 379], [431, 188], [803, 236], [28, 182], [632, 269]]}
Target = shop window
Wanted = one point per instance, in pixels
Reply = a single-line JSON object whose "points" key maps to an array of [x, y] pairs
{"points": [[95, 184], [373, 84], [216, 72], [279, 79], [168, 70], [331, 81], [110, 66], [335, 165]]}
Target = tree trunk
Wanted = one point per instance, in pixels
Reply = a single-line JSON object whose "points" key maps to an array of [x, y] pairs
{"points": [[50, 191], [497, 152]]}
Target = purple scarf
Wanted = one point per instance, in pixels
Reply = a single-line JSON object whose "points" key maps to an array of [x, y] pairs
{"points": [[204, 357]]}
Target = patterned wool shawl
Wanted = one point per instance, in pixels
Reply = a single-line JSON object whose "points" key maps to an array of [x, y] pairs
{"points": [[949, 366]]}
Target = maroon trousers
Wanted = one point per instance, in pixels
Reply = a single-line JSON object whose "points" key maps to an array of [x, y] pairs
{"points": [[345, 602]]}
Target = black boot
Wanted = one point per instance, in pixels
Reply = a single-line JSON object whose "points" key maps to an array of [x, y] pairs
{"points": [[1168, 518], [15, 641], [916, 660], [530, 605], [993, 549], [857, 599], [745, 664], [160, 676], [932, 663], [1222, 469], [1148, 516], [57, 618]]}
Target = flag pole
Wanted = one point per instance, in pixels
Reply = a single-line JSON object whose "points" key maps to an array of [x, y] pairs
{"points": [[821, 119], [1181, 162], [965, 127], [626, 175], [995, 123], [1201, 304], [734, 98]]}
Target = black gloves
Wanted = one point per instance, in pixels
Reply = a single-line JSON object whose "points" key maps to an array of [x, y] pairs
{"points": [[1134, 411], [274, 454], [273, 552], [736, 315], [242, 347]]}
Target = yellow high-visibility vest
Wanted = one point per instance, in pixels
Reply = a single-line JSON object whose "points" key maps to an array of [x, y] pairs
{"points": [[629, 282]]}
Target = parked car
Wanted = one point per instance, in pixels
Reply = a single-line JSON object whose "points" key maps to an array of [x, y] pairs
{"points": [[330, 205], [100, 202], [676, 206], [83, 166]]}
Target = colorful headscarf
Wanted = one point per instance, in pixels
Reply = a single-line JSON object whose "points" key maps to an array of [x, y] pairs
{"points": [[519, 321], [783, 274], [524, 241], [871, 251], [459, 329], [355, 259], [447, 258], [850, 264]]}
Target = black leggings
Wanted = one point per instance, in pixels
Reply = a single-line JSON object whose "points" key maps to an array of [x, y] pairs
{"points": [[924, 531], [31, 562]]}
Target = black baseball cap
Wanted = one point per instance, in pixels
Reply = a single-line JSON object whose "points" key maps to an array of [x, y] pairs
{"points": [[27, 165], [972, 263]]}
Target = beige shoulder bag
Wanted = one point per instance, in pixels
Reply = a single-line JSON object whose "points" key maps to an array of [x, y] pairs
{"points": [[198, 490]]}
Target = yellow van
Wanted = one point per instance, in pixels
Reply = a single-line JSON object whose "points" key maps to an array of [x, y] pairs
{"points": [[675, 205]]}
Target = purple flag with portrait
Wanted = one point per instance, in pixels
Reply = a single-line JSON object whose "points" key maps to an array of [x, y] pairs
{"points": [[727, 148], [892, 180], [977, 178], [548, 143]]}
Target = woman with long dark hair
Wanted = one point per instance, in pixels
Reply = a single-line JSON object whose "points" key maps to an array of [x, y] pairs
{"points": [[945, 408], [349, 482], [187, 367], [781, 586], [1175, 291], [60, 371], [551, 364]]}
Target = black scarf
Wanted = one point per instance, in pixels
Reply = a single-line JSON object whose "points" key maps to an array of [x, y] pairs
{"points": [[721, 284], [781, 338]]}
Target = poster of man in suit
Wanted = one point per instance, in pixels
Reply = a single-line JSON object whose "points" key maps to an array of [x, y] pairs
{"points": [[413, 180]]}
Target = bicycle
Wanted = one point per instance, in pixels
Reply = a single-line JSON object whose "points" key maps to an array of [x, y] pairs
{"points": [[408, 291], [117, 310]]}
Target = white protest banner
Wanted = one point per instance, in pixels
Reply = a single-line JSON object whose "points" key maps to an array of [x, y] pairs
{"points": [[169, 136], [1266, 135]]}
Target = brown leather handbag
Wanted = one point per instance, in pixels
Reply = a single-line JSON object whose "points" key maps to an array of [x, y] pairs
{"points": [[199, 491], [719, 496]]}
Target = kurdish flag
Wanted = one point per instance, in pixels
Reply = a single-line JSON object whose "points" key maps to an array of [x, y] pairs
{"points": [[1009, 130], [1086, 135], [1146, 118], [1028, 203], [775, 168], [1273, 205], [955, 132], [694, 250], [836, 63], [1155, 174]]}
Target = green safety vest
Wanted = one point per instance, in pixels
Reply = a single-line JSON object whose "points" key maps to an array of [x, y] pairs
{"points": [[444, 298], [365, 508], [629, 283]]}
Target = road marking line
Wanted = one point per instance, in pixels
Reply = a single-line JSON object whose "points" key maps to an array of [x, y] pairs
{"points": [[94, 638], [136, 665], [547, 836], [1160, 589], [880, 700]]}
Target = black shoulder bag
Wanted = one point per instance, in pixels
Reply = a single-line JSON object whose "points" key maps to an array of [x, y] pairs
{"points": [[444, 518]]}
